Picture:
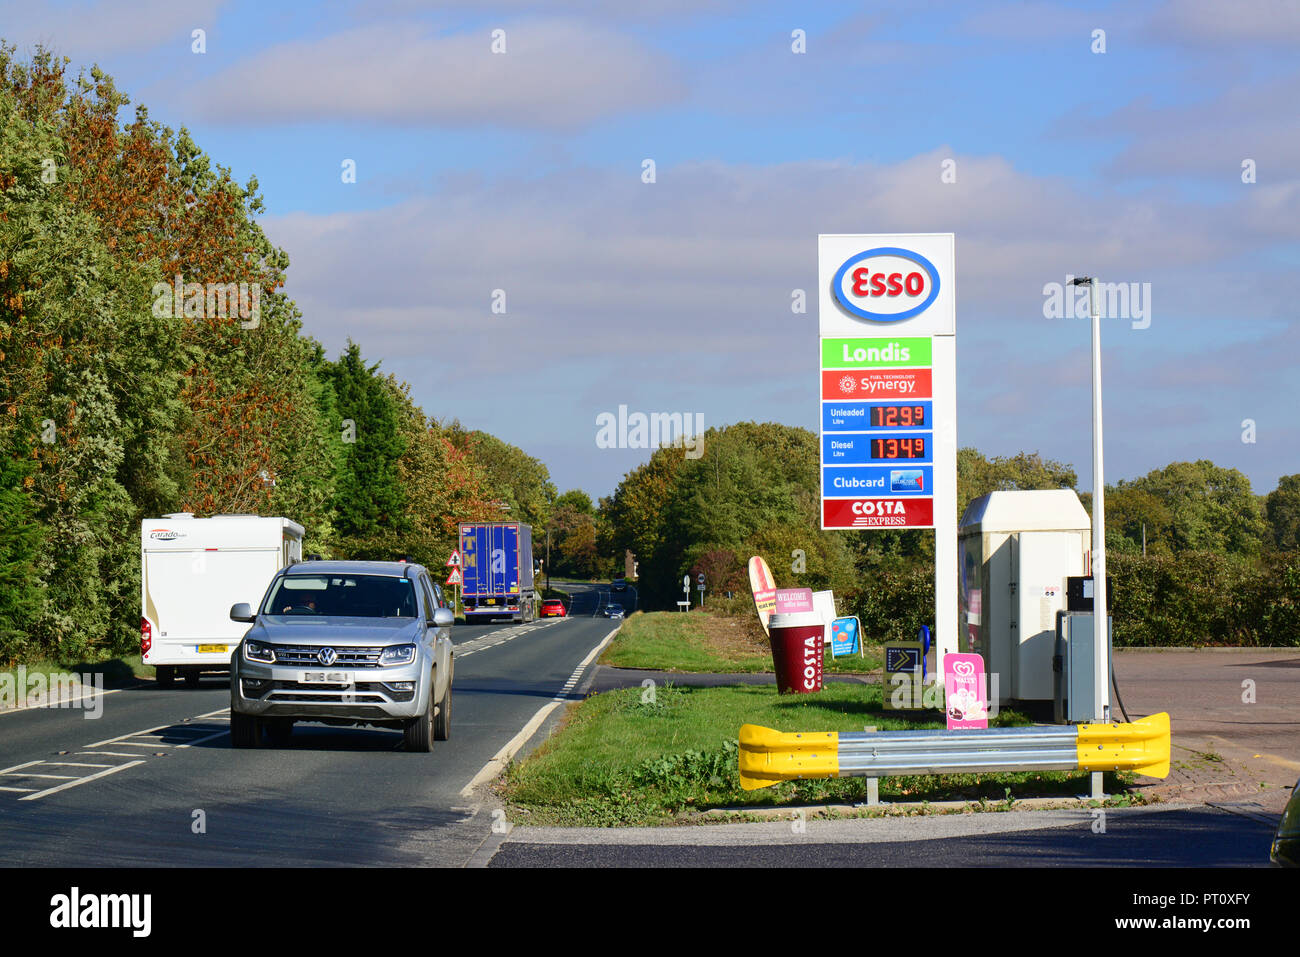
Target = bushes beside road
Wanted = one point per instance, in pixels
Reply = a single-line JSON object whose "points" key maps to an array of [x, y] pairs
{"points": [[1206, 598]]}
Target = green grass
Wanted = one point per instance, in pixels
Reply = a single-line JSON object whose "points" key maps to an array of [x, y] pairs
{"points": [[696, 642], [623, 759]]}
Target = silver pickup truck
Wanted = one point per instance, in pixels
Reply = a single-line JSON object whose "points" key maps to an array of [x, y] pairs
{"points": [[344, 643]]}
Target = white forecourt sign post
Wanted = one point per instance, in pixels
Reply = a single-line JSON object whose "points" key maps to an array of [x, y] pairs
{"points": [[888, 394]]}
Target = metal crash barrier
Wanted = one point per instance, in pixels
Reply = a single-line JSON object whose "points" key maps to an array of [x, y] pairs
{"points": [[768, 756]]}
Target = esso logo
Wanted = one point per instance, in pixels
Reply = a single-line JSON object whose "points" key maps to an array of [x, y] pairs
{"points": [[887, 284]]}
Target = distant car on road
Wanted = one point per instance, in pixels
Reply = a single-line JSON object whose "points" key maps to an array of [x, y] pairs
{"points": [[618, 584], [613, 611], [553, 608], [344, 643]]}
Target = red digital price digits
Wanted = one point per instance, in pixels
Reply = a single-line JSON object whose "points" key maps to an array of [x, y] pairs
{"points": [[903, 416], [898, 448]]}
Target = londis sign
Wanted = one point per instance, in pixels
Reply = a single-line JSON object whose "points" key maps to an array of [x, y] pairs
{"points": [[886, 284]]}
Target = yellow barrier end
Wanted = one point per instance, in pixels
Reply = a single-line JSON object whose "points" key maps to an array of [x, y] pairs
{"points": [[1142, 746], [768, 756]]}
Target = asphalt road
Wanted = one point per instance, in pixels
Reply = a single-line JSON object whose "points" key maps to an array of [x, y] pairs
{"points": [[1146, 837], [173, 791]]}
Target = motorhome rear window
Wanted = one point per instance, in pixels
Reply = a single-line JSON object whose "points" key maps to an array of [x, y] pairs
{"points": [[350, 596]]}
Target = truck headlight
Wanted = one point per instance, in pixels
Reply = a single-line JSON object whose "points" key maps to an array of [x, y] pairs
{"points": [[259, 652], [397, 655]]}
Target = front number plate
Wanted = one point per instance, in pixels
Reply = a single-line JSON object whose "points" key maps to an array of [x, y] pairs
{"points": [[324, 678]]}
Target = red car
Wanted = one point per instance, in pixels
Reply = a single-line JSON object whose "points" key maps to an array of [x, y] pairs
{"points": [[553, 608]]}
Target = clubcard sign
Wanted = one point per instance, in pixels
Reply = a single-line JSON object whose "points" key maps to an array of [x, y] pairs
{"points": [[887, 390]]}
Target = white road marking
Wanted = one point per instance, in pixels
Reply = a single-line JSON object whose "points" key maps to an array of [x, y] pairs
{"points": [[113, 754], [500, 638], [73, 784], [194, 734], [129, 734], [19, 766], [209, 737], [502, 757], [61, 703]]}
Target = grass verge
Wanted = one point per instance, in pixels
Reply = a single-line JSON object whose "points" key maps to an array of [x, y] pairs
{"points": [[702, 642], [627, 758], [116, 671]]}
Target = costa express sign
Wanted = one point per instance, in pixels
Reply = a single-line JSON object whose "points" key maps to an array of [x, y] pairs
{"points": [[886, 284]]}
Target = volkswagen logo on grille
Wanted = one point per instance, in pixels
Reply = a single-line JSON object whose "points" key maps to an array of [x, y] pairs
{"points": [[327, 656]]}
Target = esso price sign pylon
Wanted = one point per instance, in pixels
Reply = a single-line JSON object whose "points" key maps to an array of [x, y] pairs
{"points": [[888, 394]]}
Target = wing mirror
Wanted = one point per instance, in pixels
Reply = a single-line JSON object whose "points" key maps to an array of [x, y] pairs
{"points": [[242, 612], [443, 617]]}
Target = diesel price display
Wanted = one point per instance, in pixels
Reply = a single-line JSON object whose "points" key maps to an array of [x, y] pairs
{"points": [[898, 448]]}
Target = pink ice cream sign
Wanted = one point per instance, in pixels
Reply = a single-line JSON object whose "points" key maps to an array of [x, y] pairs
{"points": [[965, 691]]}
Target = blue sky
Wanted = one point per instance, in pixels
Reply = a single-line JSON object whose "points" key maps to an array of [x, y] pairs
{"points": [[522, 171]]}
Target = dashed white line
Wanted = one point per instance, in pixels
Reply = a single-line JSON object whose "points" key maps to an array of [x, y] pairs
{"points": [[502, 757], [191, 734], [74, 783]]}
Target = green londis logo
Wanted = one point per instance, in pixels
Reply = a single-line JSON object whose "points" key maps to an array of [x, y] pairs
{"points": [[880, 353]]}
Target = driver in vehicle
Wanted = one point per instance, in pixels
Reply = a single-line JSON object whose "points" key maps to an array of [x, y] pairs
{"points": [[301, 606]]}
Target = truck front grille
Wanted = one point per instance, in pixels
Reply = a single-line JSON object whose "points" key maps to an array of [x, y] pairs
{"points": [[305, 656]]}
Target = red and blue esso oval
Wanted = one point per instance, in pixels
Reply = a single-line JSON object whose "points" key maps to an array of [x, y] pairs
{"points": [[877, 279]]}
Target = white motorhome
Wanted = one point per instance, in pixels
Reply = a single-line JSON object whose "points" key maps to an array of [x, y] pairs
{"points": [[191, 571]]}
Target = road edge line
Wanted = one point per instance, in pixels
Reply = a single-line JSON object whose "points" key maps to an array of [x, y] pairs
{"points": [[502, 757]]}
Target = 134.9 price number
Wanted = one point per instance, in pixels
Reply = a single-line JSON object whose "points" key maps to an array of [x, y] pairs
{"points": [[898, 448]]}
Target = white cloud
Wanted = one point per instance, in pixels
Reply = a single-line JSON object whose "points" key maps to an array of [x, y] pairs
{"points": [[555, 74], [93, 30], [1213, 23]]}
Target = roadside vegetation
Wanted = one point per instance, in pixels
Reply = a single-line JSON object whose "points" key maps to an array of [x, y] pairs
{"points": [[708, 641], [643, 756], [115, 405], [1196, 557]]}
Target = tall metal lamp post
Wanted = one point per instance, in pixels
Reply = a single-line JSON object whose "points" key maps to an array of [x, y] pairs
{"points": [[1101, 646]]}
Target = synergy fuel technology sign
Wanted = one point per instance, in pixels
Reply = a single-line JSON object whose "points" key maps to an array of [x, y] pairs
{"points": [[887, 392]]}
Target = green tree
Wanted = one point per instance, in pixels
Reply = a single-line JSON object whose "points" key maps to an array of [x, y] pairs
{"points": [[368, 497], [977, 475], [515, 477], [1211, 508], [1282, 507]]}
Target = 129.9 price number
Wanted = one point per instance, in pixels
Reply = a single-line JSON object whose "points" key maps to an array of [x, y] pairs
{"points": [[904, 416]]}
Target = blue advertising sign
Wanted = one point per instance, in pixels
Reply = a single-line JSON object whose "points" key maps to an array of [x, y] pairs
{"points": [[846, 637], [886, 480]]}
